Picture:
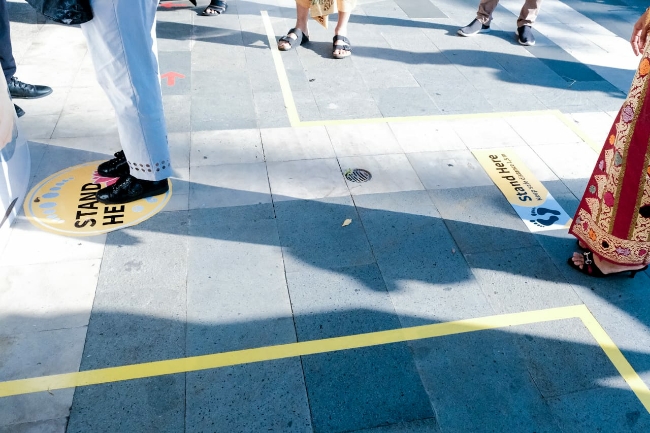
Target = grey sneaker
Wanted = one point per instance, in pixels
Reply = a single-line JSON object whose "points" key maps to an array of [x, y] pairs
{"points": [[473, 28], [525, 36]]}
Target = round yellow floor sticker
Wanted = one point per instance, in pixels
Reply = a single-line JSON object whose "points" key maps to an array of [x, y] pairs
{"points": [[65, 204]]}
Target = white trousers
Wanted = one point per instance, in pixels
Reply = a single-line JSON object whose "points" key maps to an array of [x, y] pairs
{"points": [[122, 43]]}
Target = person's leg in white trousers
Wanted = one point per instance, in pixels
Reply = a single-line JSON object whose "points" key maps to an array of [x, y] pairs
{"points": [[122, 43]]}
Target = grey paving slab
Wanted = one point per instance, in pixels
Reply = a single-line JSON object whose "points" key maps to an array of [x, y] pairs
{"points": [[28, 244], [230, 111], [427, 277], [420, 426], [174, 35], [390, 173], [306, 179], [471, 377], [229, 185], [333, 303], [426, 136], [133, 257], [487, 133], [420, 9], [85, 99], [34, 354], [364, 388], [308, 109], [382, 77], [104, 144], [603, 409], [288, 144], [60, 158], [576, 162], [38, 127], [48, 426], [207, 59], [343, 387], [206, 83], [226, 147], [543, 130], [350, 105], [43, 297], [311, 234], [521, 279], [152, 404], [177, 112], [563, 358], [86, 124], [448, 169], [266, 396], [404, 101], [464, 101], [481, 220], [364, 139], [270, 109], [226, 312], [563, 64]]}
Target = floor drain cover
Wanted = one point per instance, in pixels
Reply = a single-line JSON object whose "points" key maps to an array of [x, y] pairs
{"points": [[358, 175]]}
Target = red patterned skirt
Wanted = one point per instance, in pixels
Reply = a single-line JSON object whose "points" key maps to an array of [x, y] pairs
{"points": [[613, 219]]}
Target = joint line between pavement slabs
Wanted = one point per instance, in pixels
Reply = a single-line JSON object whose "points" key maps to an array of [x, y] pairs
{"points": [[217, 360]]}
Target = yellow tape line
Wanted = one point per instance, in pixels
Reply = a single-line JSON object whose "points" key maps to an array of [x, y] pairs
{"points": [[617, 358], [196, 363], [289, 102], [577, 131]]}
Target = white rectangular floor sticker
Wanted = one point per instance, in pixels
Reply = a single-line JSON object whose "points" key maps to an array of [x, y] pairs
{"points": [[533, 203]]}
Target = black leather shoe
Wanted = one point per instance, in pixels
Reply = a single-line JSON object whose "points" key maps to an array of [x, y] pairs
{"points": [[19, 111], [20, 90], [129, 188], [116, 167]]}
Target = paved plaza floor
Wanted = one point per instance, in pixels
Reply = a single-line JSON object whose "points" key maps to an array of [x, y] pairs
{"points": [[418, 301]]}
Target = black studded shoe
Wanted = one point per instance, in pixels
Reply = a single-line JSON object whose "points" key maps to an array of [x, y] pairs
{"points": [[116, 167], [129, 188]]}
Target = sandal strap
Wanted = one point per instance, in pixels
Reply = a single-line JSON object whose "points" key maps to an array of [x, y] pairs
{"points": [[300, 37], [341, 38], [345, 46]]}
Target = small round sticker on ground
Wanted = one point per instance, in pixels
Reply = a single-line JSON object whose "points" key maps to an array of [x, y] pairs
{"points": [[358, 175], [65, 204]]}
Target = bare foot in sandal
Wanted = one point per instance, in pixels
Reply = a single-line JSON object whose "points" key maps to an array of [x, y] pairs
{"points": [[294, 36], [341, 47], [216, 7], [601, 266]]}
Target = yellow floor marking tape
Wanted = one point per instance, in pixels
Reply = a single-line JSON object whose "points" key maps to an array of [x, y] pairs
{"points": [[289, 102], [577, 131], [196, 363]]}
